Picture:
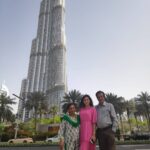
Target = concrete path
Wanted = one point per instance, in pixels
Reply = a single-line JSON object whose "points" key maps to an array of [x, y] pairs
{"points": [[119, 147]]}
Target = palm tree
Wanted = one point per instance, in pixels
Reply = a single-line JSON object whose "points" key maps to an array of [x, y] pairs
{"points": [[135, 116], [42, 107], [36, 102], [9, 116], [143, 100], [119, 105], [73, 96], [5, 108], [1, 130], [53, 110], [114, 99], [130, 108], [42, 110]]}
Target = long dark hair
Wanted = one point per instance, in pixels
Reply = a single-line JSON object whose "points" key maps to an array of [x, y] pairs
{"points": [[82, 104]]}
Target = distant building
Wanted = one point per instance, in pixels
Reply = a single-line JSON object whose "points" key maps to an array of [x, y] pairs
{"points": [[4, 90], [47, 65]]}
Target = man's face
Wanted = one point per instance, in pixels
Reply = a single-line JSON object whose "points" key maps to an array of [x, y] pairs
{"points": [[101, 98]]}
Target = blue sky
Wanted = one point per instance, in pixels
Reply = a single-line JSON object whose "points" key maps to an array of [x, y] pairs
{"points": [[108, 44]]}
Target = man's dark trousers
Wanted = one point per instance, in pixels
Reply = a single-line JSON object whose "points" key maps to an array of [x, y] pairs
{"points": [[106, 138]]}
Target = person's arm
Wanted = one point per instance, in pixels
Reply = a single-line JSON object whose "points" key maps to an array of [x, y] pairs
{"points": [[94, 124], [113, 118], [93, 134]]}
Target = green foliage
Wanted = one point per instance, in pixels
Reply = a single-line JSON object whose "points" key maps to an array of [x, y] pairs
{"points": [[74, 96], [119, 105], [40, 136], [143, 106], [53, 110], [29, 125], [45, 121], [5, 108], [142, 125], [56, 119], [26, 129], [1, 130], [7, 132], [36, 102], [6, 136]]}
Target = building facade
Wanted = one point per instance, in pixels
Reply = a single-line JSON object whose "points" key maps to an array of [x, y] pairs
{"points": [[4, 90], [47, 64]]}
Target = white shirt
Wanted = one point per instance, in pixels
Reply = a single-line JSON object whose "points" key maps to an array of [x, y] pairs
{"points": [[106, 116]]}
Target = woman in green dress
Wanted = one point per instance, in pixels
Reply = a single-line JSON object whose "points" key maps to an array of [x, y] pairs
{"points": [[69, 129]]}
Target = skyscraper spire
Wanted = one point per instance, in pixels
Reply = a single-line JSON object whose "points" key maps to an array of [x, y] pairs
{"points": [[47, 65]]}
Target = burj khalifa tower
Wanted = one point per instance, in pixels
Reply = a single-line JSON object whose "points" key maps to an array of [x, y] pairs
{"points": [[47, 64]]}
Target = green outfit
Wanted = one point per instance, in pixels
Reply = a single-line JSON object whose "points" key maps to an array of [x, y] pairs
{"points": [[69, 131]]}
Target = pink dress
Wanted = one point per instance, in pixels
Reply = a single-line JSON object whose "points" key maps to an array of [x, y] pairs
{"points": [[87, 118]]}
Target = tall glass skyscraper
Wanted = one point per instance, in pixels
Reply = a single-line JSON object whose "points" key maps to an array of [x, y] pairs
{"points": [[47, 65]]}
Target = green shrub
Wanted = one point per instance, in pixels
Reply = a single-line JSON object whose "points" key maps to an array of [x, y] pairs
{"points": [[42, 136], [6, 137]]}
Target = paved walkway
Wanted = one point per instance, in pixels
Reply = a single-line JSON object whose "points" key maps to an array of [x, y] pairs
{"points": [[119, 147], [134, 147]]}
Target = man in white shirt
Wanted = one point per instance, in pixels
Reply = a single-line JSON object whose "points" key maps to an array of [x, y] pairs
{"points": [[106, 123]]}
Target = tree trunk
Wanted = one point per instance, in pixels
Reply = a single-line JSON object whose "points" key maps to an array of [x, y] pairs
{"points": [[40, 115], [122, 128], [35, 121], [129, 119], [129, 125], [136, 122], [148, 121]]}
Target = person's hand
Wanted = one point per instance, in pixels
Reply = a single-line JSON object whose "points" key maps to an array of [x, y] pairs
{"points": [[93, 138], [113, 131], [61, 144]]}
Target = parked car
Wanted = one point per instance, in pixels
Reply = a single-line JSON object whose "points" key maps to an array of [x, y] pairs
{"points": [[21, 140], [54, 139]]}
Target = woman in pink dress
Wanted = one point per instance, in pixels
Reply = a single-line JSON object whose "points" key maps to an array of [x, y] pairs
{"points": [[87, 124]]}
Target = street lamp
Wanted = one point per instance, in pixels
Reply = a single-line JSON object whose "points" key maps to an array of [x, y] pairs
{"points": [[18, 97], [17, 127], [17, 117]]}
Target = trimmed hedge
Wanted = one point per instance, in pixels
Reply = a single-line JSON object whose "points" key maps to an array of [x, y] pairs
{"points": [[132, 142], [5, 144]]}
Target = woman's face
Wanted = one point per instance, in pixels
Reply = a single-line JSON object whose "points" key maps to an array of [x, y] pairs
{"points": [[86, 101], [72, 109]]}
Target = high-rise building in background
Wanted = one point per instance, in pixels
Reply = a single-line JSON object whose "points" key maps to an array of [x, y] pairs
{"points": [[47, 65], [4, 89]]}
